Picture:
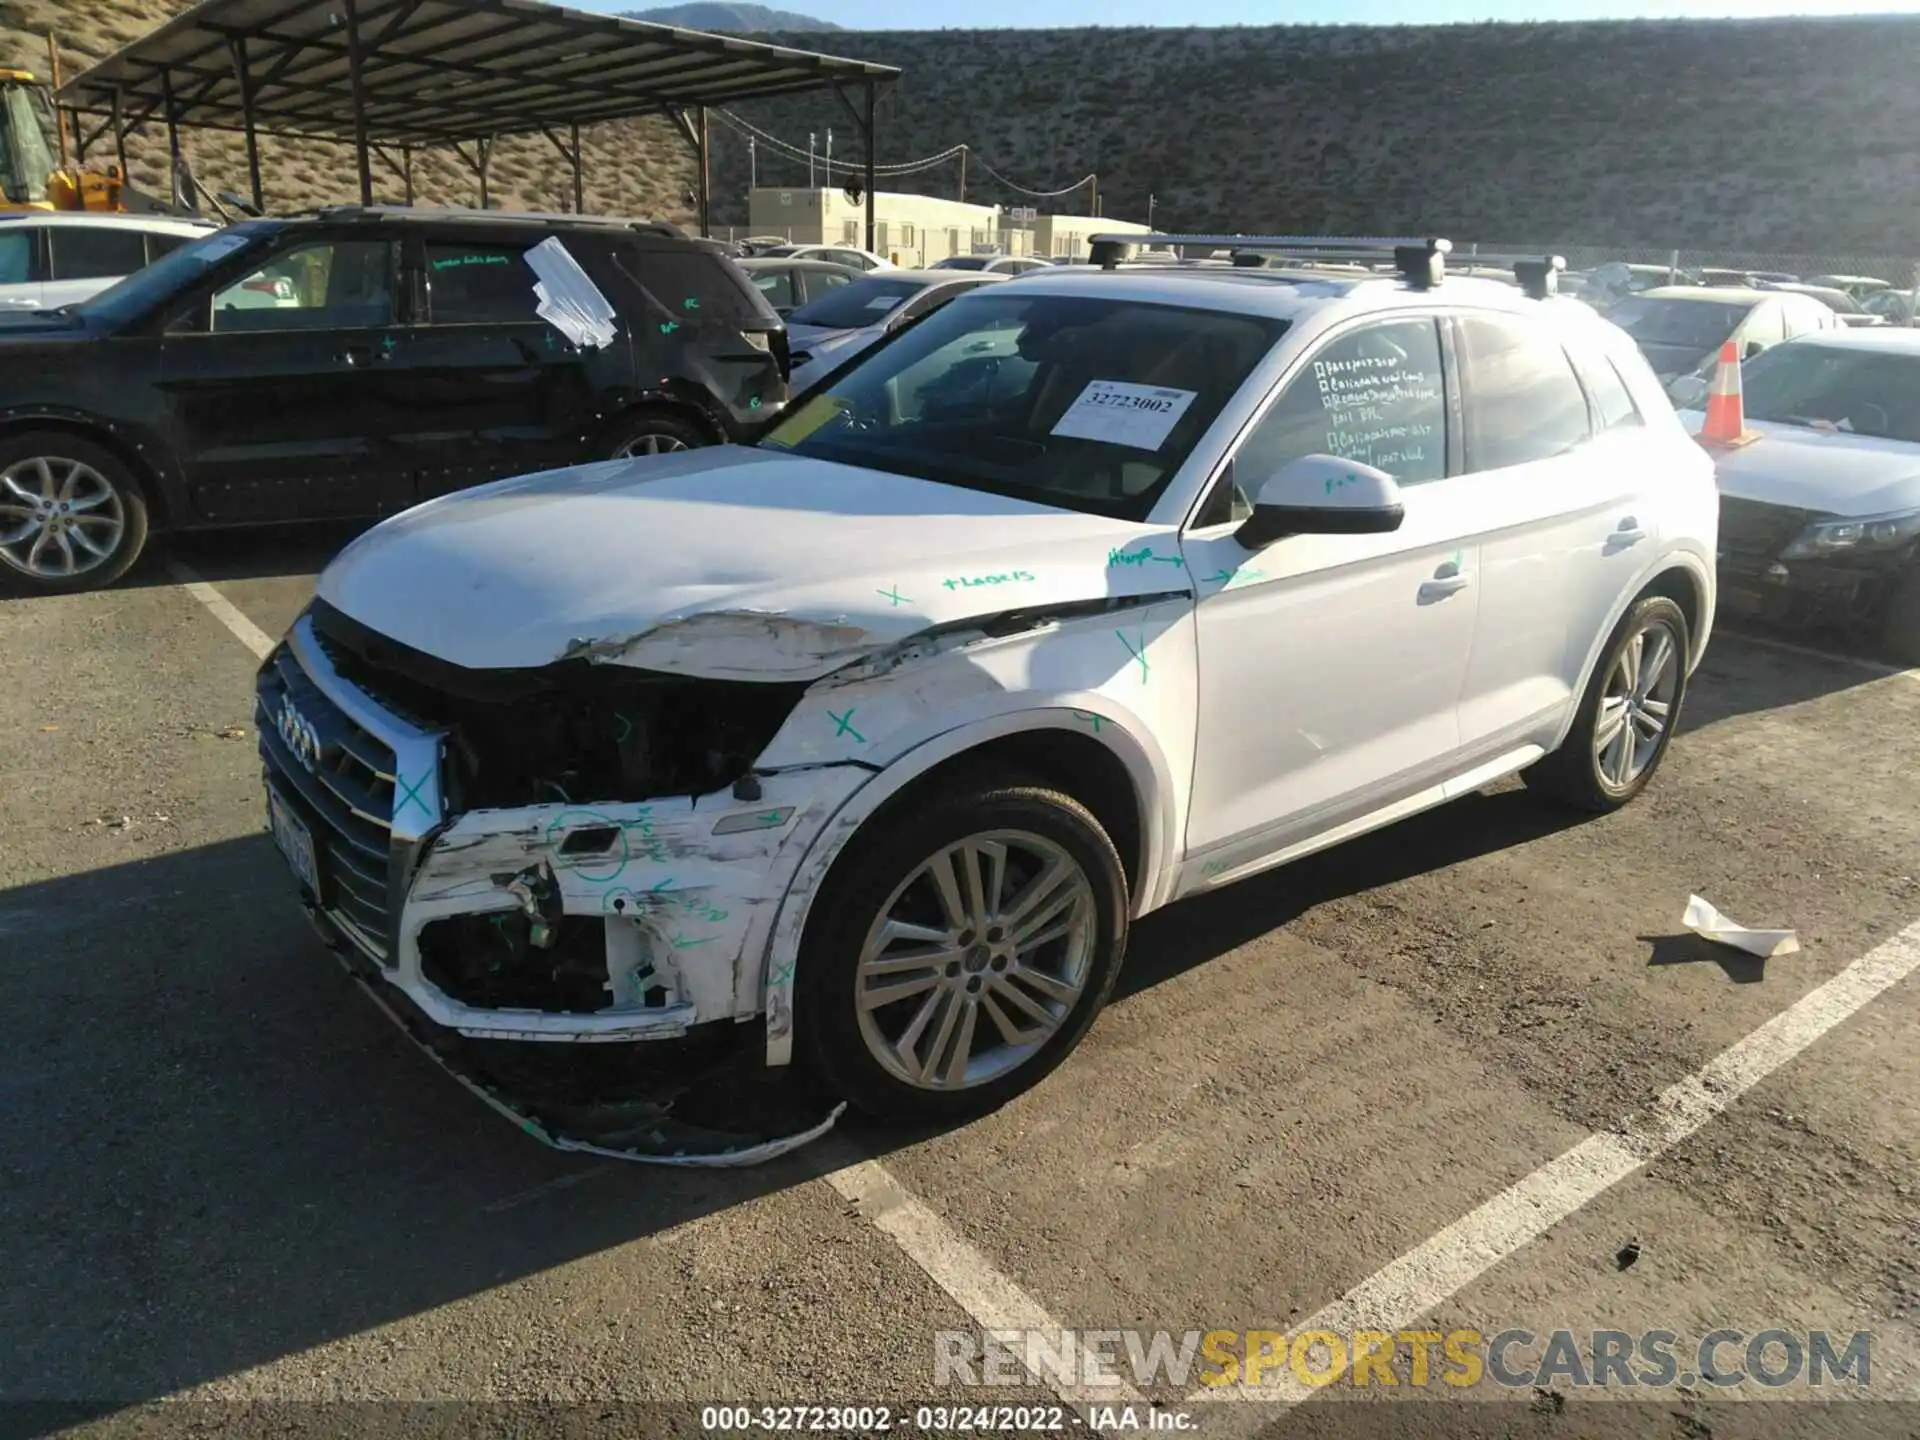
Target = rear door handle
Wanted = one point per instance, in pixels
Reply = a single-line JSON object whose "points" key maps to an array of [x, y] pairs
{"points": [[1449, 579], [1627, 533]]}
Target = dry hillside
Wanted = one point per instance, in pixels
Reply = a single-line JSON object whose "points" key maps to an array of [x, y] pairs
{"points": [[636, 167], [1757, 135], [1767, 135]]}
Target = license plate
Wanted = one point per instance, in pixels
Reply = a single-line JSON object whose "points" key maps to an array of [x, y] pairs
{"points": [[295, 841]]}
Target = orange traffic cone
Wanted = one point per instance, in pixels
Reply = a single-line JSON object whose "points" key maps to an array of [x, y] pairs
{"points": [[1726, 423]]}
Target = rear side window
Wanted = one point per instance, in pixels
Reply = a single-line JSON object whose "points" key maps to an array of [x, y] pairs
{"points": [[159, 243], [690, 285], [1613, 407], [1522, 401], [87, 252], [16, 257], [777, 286], [480, 285]]}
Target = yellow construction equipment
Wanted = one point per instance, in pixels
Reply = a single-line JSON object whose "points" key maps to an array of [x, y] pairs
{"points": [[35, 173]]}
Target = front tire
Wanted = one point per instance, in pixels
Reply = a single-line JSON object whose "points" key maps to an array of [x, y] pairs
{"points": [[653, 431], [72, 517], [1627, 715], [1900, 619], [960, 951]]}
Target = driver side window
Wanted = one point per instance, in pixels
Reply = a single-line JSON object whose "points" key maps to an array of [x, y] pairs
{"points": [[1372, 394], [332, 285]]}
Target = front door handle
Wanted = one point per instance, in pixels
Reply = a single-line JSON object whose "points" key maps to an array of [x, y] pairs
{"points": [[357, 355], [1627, 533], [1449, 579]]}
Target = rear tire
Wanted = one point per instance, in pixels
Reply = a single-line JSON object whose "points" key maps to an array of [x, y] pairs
{"points": [[918, 1002], [652, 430], [1614, 747], [72, 516], [1900, 619]]}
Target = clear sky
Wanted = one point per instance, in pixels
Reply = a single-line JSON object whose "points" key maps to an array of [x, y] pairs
{"points": [[988, 14]]}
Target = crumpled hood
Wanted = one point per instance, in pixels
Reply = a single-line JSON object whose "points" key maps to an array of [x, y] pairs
{"points": [[1818, 470], [727, 563]]}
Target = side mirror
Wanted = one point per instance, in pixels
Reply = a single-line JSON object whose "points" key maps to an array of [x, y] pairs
{"points": [[1687, 391], [1322, 495], [1754, 347]]}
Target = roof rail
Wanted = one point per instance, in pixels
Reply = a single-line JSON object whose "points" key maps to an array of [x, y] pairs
{"points": [[1421, 262], [455, 212]]}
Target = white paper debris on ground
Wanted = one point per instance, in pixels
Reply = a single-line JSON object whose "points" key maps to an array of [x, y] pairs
{"points": [[1138, 416], [569, 300], [1708, 923]]}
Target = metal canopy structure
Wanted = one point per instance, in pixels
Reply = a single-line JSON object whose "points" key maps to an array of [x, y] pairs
{"points": [[392, 76]]}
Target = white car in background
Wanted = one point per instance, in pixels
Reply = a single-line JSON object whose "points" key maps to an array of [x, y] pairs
{"points": [[992, 264], [1085, 594], [848, 255], [1680, 328], [834, 328], [1820, 517], [53, 258]]}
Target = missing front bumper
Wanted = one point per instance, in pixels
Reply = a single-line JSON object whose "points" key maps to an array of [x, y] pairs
{"points": [[711, 1104]]}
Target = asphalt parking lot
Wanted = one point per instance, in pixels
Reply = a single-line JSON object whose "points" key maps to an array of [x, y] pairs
{"points": [[1333, 1091]]}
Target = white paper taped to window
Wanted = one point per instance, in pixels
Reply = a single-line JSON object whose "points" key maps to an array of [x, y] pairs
{"points": [[1139, 416], [884, 302], [569, 300]]}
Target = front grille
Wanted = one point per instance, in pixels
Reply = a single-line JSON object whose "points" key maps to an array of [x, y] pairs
{"points": [[348, 770], [1753, 529]]}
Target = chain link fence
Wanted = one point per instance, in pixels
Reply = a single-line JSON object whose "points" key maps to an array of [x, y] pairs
{"points": [[1901, 272]]}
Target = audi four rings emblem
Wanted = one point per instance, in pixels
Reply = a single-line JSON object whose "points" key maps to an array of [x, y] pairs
{"points": [[302, 739]]}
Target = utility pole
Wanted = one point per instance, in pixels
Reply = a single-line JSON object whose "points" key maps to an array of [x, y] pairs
{"points": [[829, 157], [1149, 210], [963, 175], [1094, 193], [810, 139], [753, 172]]}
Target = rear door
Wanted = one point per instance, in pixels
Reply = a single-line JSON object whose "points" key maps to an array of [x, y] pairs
{"points": [[278, 386], [1568, 482], [506, 392], [23, 270], [85, 259]]}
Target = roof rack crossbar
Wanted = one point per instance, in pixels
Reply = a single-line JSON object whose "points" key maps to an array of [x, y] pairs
{"points": [[1420, 261]]}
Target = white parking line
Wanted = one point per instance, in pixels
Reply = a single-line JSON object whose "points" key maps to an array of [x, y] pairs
{"points": [[1439, 1268], [990, 1299], [224, 610], [1859, 662]]}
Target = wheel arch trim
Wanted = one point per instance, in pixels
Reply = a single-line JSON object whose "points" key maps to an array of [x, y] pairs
{"points": [[130, 444], [1147, 769]]}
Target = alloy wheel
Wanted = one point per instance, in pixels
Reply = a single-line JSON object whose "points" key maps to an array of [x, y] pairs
{"points": [[652, 443], [58, 517], [976, 960], [1636, 707]]}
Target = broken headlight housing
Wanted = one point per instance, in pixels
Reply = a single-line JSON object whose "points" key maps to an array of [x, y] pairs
{"points": [[1824, 538], [573, 732]]}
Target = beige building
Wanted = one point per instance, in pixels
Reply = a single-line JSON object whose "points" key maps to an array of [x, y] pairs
{"points": [[908, 229], [1055, 235], [919, 229]]}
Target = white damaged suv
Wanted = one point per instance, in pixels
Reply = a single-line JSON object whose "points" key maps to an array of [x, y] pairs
{"points": [[1082, 595]]}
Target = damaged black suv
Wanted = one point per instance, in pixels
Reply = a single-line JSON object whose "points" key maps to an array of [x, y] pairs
{"points": [[358, 361]]}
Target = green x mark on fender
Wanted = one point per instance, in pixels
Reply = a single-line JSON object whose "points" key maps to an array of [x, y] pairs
{"points": [[843, 725], [410, 795]]}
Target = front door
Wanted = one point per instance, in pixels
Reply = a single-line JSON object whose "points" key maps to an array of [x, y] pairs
{"points": [[278, 388], [506, 392], [1331, 665]]}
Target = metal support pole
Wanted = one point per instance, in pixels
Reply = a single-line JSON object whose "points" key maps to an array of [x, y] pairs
{"points": [[871, 206], [579, 184], [238, 47], [485, 147], [173, 129], [406, 170], [79, 137], [358, 84], [59, 116], [706, 179], [119, 136], [962, 196], [1094, 194]]}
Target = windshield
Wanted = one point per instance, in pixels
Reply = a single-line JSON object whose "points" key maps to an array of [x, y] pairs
{"points": [[142, 290], [780, 251], [1700, 324], [1865, 392], [963, 262], [27, 161], [1087, 404], [865, 302]]}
